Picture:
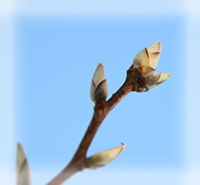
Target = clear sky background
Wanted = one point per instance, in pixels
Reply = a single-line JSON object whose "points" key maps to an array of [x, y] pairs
{"points": [[49, 52]]}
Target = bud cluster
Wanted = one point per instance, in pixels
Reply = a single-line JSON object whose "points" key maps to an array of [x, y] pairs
{"points": [[146, 61]]}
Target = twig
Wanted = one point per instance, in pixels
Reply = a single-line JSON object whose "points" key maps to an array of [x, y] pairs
{"points": [[134, 80]]}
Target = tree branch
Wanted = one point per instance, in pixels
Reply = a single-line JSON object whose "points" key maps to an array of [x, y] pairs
{"points": [[101, 109]]}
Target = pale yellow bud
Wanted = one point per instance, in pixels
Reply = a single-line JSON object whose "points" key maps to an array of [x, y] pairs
{"points": [[147, 59], [154, 79], [98, 88], [102, 158], [22, 168]]}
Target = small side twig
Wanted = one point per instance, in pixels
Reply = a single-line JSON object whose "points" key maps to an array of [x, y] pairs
{"points": [[134, 80]]}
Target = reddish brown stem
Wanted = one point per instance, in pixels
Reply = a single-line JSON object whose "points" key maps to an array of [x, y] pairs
{"points": [[101, 110]]}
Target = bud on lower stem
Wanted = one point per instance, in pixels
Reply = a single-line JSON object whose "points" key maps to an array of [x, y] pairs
{"points": [[104, 157], [22, 168]]}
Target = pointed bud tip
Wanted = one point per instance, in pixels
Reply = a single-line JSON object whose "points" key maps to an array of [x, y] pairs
{"points": [[164, 77], [20, 151], [100, 64], [19, 145], [123, 146], [155, 47]]}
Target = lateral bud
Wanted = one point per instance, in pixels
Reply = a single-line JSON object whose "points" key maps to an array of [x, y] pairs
{"points": [[153, 80], [146, 61], [104, 157], [98, 88]]}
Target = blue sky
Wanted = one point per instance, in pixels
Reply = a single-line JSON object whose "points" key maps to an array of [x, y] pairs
{"points": [[54, 58]]}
